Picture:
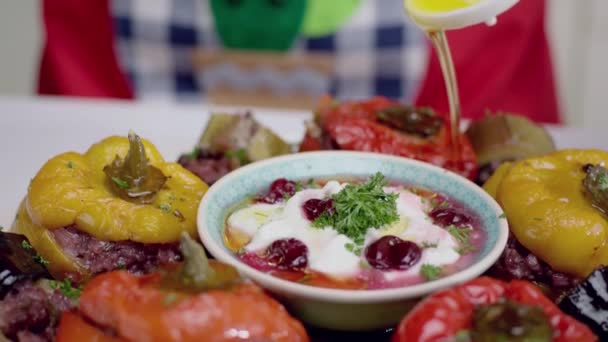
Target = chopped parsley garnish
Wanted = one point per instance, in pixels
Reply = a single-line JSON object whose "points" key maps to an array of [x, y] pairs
{"points": [[463, 336], [66, 288], [194, 153], [121, 183], [462, 236], [310, 182], [360, 207], [165, 207], [70, 164], [26, 245], [40, 260], [502, 216], [354, 248], [240, 154], [364, 264], [427, 244], [299, 186], [170, 298], [430, 272]]}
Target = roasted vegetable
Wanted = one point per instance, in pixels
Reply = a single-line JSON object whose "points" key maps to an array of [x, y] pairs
{"points": [[486, 309], [588, 302], [385, 126], [228, 134], [549, 212], [201, 300], [506, 137], [119, 190], [18, 261], [231, 141]]}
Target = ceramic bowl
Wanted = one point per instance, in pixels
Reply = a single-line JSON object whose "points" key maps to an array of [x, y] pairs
{"points": [[350, 310]]}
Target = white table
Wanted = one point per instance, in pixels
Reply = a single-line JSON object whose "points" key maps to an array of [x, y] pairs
{"points": [[32, 130]]}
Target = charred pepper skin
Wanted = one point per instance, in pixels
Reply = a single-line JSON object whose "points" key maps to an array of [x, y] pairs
{"points": [[72, 189]]}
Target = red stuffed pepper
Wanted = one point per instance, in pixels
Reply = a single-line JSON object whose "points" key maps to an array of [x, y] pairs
{"points": [[385, 126], [487, 309]]}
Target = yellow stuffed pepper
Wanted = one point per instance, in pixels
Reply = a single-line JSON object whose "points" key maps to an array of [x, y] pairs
{"points": [[556, 206], [117, 205]]}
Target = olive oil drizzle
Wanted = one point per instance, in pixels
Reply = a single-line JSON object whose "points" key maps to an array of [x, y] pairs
{"points": [[440, 43]]}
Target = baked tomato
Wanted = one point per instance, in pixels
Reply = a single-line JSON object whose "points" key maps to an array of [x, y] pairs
{"points": [[385, 126], [198, 300], [487, 309]]}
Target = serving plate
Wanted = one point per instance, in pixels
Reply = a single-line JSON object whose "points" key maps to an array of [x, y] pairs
{"points": [[34, 129]]}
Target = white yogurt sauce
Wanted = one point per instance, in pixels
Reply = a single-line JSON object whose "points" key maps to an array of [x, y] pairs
{"points": [[266, 223]]}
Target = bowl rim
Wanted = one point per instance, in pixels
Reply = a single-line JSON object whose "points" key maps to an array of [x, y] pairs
{"points": [[281, 286]]}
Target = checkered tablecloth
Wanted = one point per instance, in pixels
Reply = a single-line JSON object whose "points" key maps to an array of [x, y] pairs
{"points": [[377, 51]]}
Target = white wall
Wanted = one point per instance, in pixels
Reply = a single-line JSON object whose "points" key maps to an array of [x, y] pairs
{"points": [[20, 39], [579, 36]]}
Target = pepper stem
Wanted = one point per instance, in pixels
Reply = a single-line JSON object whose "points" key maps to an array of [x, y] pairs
{"points": [[133, 178]]}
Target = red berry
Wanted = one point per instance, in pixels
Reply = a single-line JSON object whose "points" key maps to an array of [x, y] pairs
{"points": [[392, 253], [449, 216], [279, 189], [287, 254], [313, 208]]}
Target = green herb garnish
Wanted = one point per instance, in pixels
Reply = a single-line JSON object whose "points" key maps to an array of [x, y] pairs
{"points": [[502, 216], [240, 154], [427, 244], [354, 248], [299, 186], [165, 207], [430, 272], [170, 298], [462, 336], [360, 207], [364, 264], [121, 183], [121, 266], [462, 236], [66, 288], [40, 260], [193, 155], [26, 245], [70, 164]]}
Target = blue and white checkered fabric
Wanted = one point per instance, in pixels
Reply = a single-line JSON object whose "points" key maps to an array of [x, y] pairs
{"points": [[376, 52]]}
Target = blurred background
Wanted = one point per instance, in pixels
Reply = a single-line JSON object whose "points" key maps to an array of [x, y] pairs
{"points": [[577, 34]]}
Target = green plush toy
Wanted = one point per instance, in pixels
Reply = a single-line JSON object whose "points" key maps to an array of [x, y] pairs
{"points": [[273, 25]]}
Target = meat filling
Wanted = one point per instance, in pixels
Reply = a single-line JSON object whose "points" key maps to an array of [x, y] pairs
{"points": [[29, 313], [103, 256]]}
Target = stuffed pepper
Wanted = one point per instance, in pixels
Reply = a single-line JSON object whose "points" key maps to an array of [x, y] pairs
{"points": [[197, 300], [119, 205], [487, 309], [556, 206], [385, 126]]}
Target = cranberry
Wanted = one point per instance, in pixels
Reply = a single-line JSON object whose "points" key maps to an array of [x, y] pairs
{"points": [[392, 253], [449, 216], [287, 254], [279, 189], [313, 208]]}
